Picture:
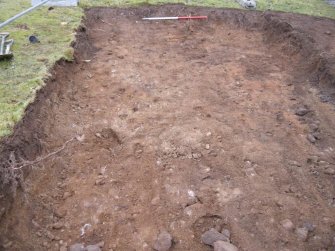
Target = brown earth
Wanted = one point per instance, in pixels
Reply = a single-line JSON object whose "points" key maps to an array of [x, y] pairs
{"points": [[180, 126]]}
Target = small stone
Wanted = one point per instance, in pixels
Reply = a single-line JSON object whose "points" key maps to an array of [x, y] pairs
{"points": [[226, 233], [57, 225], [328, 33], [313, 159], [309, 226], [302, 233], [211, 236], [163, 242], [311, 138], [100, 181], [93, 248], [287, 224], [301, 111], [207, 146], [60, 213], [49, 235], [330, 171], [224, 246], [7, 244], [100, 244], [77, 247], [67, 195], [294, 163], [2, 212], [62, 248]]}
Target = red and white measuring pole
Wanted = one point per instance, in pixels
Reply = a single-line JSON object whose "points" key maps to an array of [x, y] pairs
{"points": [[175, 18]]}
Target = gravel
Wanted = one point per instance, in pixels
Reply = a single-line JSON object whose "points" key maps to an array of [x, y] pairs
{"points": [[224, 246], [211, 236], [163, 242]]}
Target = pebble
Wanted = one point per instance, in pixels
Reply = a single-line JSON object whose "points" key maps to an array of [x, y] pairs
{"points": [[211, 236], [62, 248], [207, 146], [67, 195], [226, 233], [309, 226], [330, 171], [224, 246], [57, 225], [301, 111], [287, 224], [100, 181], [302, 233], [163, 242], [313, 159], [77, 247], [7, 244], [93, 248], [311, 138]]}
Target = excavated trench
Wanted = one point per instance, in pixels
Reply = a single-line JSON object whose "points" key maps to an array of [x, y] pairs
{"points": [[180, 127]]}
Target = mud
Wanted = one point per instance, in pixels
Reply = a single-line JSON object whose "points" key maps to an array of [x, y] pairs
{"points": [[183, 127]]}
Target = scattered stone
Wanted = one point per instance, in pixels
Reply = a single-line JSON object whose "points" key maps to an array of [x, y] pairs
{"points": [[309, 226], [163, 242], [226, 233], [77, 247], [211, 236], [93, 248], [57, 225], [100, 181], [224, 246], [67, 195], [60, 213], [313, 159], [287, 224], [49, 235], [294, 163], [2, 212], [196, 155], [314, 127], [328, 33], [7, 244], [63, 248], [330, 171], [301, 111], [101, 244], [207, 146], [302, 233], [311, 138]]}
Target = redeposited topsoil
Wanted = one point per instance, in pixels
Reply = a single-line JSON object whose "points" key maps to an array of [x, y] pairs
{"points": [[175, 128]]}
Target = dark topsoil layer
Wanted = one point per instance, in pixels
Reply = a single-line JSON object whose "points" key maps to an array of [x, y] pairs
{"points": [[309, 39]]}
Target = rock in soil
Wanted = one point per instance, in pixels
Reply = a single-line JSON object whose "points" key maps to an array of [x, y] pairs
{"points": [[302, 111], [211, 236], [302, 233], [224, 246], [287, 224], [93, 248], [163, 242], [311, 138], [77, 247], [226, 233], [330, 171]]}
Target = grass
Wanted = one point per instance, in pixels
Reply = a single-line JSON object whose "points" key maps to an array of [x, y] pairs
{"points": [[21, 77]]}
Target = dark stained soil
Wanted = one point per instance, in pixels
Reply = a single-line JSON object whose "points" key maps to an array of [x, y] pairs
{"points": [[179, 126]]}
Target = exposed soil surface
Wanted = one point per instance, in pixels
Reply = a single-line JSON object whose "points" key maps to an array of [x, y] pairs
{"points": [[182, 127]]}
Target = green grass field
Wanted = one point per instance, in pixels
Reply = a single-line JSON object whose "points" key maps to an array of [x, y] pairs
{"points": [[21, 77]]}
